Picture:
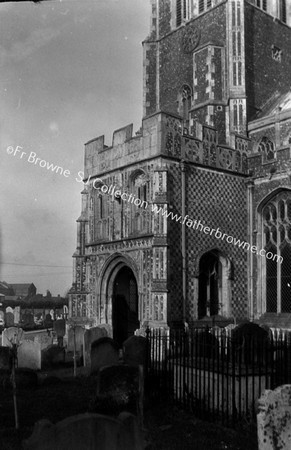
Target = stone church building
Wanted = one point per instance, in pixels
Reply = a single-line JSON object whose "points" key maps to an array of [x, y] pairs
{"points": [[190, 217]]}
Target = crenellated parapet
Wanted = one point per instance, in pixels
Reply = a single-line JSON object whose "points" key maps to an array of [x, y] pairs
{"points": [[164, 134]]}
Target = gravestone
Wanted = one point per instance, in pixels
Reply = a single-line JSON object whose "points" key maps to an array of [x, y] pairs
{"points": [[28, 319], [48, 321], [135, 351], [60, 330], [5, 358], [45, 339], [12, 335], [250, 341], [9, 319], [274, 419], [104, 352], [29, 355], [108, 329], [119, 388], [91, 335], [52, 356], [87, 431], [79, 338]]}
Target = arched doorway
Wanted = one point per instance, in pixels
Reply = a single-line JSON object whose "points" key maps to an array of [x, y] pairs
{"points": [[214, 286], [124, 305]]}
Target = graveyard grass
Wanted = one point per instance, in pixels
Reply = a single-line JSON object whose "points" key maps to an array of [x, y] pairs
{"points": [[166, 426]]}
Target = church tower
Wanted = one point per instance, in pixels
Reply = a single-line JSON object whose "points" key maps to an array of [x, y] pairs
{"points": [[214, 61], [189, 220]]}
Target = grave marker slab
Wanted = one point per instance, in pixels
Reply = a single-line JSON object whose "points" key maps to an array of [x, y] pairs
{"points": [[29, 355], [91, 335], [104, 352]]}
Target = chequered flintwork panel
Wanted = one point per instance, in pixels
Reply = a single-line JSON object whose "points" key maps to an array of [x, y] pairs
{"points": [[218, 200]]}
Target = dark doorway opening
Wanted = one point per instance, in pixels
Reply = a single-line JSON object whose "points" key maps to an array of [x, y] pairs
{"points": [[210, 279], [124, 305]]}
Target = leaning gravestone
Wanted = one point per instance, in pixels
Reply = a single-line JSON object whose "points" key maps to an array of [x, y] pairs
{"points": [[135, 351], [12, 335], [274, 419], [91, 335], [29, 355], [104, 352]]}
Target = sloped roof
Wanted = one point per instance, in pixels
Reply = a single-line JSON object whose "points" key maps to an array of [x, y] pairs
{"points": [[278, 103]]}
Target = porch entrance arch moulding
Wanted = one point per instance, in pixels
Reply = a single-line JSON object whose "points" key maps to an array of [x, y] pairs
{"points": [[227, 280], [107, 277]]}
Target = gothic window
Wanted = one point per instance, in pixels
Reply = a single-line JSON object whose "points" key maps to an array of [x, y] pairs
{"points": [[203, 5], [214, 285], [139, 202], [267, 148], [185, 102], [262, 4], [141, 188], [276, 265], [182, 11], [282, 11]]}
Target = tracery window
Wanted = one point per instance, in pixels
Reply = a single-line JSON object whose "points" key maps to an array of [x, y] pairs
{"points": [[182, 11], [276, 273], [282, 11], [185, 102], [139, 202], [262, 4], [203, 5], [267, 148]]}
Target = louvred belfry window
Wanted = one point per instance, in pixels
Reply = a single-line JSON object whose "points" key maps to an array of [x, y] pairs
{"points": [[276, 265]]}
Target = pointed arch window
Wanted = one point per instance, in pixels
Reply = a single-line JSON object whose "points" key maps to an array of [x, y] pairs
{"points": [[267, 148], [139, 202], [183, 11], [262, 4], [276, 264], [282, 10]]}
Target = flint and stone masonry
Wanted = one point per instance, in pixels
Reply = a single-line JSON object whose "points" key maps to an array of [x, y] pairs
{"points": [[214, 144]]}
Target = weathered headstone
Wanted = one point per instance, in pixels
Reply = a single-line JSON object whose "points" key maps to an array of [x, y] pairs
{"points": [[29, 355], [135, 351], [5, 358], [48, 321], [90, 336], [249, 340], [12, 335], [87, 431], [78, 331], [108, 329], [52, 356], [274, 419], [9, 319], [45, 339], [60, 327], [104, 352], [119, 388], [60, 330]]}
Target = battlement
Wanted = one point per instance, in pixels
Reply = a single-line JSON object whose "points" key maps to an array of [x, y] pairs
{"points": [[164, 134]]}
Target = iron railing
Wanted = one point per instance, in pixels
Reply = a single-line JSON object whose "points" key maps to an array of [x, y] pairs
{"points": [[213, 374]]}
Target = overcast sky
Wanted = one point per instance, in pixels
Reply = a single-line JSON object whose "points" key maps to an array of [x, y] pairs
{"points": [[71, 70]]}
